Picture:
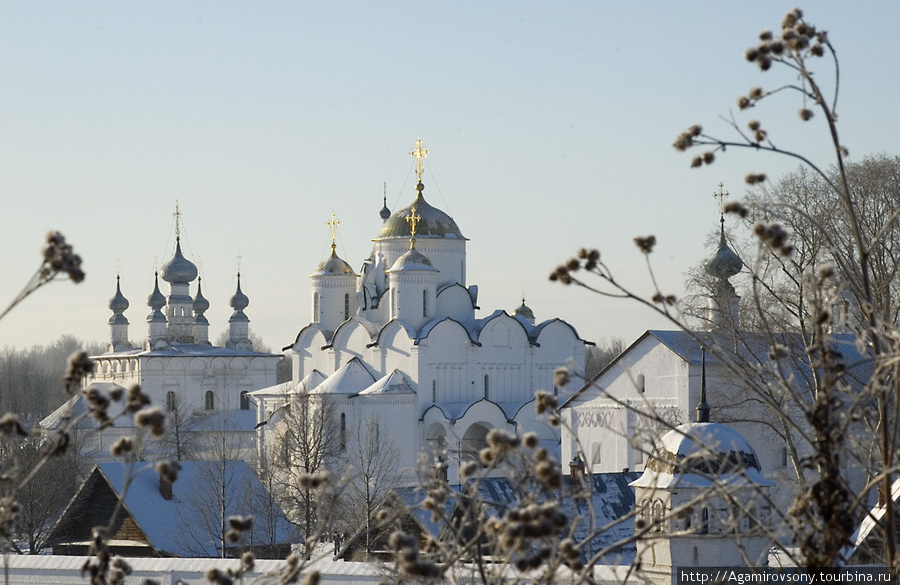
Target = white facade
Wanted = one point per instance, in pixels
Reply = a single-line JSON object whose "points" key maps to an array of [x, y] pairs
{"points": [[408, 349]]}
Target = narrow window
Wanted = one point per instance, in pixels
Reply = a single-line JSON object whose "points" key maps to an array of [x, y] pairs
{"points": [[434, 391], [210, 402], [346, 306], [487, 387], [704, 521], [424, 303], [784, 457], [640, 383], [316, 312], [696, 557], [245, 401], [170, 400], [394, 302], [343, 431]]}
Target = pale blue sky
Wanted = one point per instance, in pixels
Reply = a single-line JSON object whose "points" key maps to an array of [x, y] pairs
{"points": [[549, 127]]}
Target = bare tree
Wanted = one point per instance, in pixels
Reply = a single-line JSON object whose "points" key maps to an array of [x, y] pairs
{"points": [[179, 442], [42, 499], [308, 438], [371, 474], [217, 491]]}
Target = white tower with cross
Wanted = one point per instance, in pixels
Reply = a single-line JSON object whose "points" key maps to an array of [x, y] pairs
{"points": [[333, 287]]}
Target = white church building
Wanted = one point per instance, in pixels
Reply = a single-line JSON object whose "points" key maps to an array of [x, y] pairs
{"points": [[177, 366], [400, 344]]}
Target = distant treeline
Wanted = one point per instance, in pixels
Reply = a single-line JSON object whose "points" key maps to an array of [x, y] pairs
{"points": [[31, 379]]}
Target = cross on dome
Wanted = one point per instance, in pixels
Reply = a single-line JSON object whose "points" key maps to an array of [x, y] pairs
{"points": [[413, 218], [177, 216], [419, 154], [333, 224], [721, 195]]}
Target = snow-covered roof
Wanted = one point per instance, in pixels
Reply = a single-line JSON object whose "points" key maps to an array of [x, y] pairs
{"points": [[158, 518], [611, 503], [351, 378], [393, 383], [699, 455], [186, 349]]}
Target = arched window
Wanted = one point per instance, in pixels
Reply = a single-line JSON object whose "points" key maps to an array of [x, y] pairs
{"points": [[170, 400], [346, 306], [434, 391], [245, 401], [704, 521], [343, 431], [209, 400], [487, 387], [641, 383], [658, 515]]}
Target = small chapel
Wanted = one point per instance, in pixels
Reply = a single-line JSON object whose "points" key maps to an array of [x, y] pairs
{"points": [[399, 344]]}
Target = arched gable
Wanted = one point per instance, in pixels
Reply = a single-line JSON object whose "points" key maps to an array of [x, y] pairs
{"points": [[351, 337], [309, 341], [434, 414], [454, 301], [552, 330], [395, 336], [447, 342], [502, 331], [482, 410]]}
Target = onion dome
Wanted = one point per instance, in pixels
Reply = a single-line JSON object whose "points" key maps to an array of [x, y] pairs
{"points": [[239, 300], [179, 269], [333, 266], [385, 213], [156, 300], [200, 303], [118, 303], [413, 260], [724, 263], [434, 223], [524, 311]]}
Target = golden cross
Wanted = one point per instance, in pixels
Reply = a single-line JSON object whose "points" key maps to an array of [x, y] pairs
{"points": [[419, 154], [177, 216], [413, 219], [333, 223], [238, 259]]}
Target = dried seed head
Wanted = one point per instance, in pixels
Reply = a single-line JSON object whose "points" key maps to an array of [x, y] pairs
{"points": [[168, 470], [645, 245], [805, 114], [11, 425], [153, 419], [121, 447]]}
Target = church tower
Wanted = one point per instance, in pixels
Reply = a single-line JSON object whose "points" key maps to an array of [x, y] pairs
{"points": [[201, 323], [723, 300], [118, 324], [156, 321], [411, 282], [179, 272], [334, 298], [702, 500], [437, 235], [239, 323]]}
